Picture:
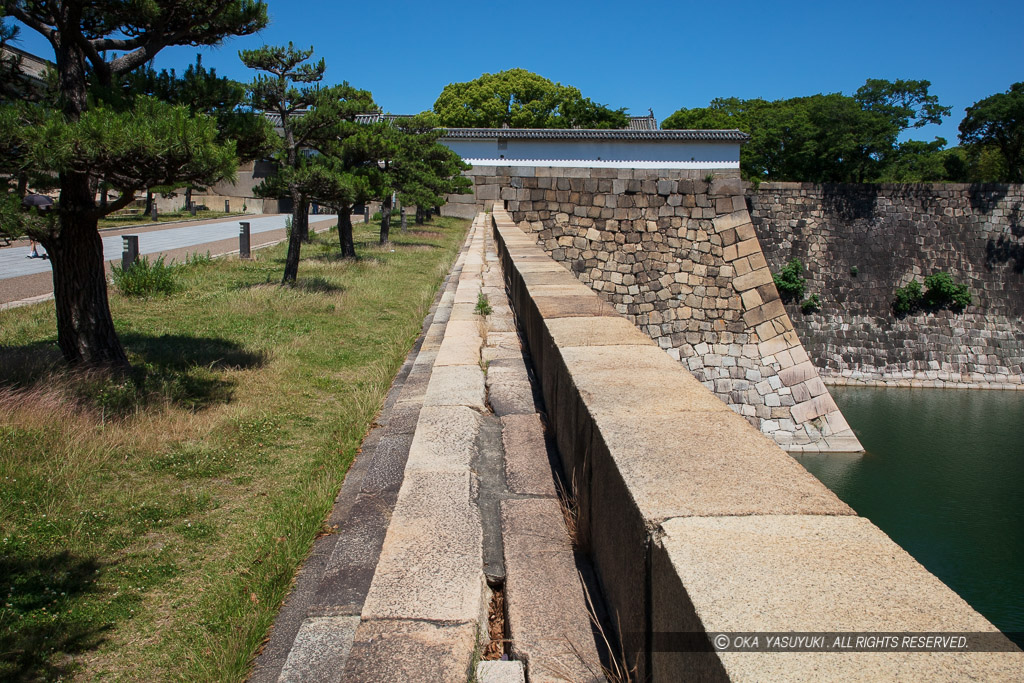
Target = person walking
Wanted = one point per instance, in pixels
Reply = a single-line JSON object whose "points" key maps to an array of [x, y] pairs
{"points": [[33, 251]]}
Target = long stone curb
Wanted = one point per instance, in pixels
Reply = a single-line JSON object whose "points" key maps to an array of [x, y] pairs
{"points": [[699, 524], [312, 635]]}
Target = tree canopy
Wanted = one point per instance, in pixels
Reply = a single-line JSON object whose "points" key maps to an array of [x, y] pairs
{"points": [[826, 138], [997, 123], [83, 142], [518, 98]]}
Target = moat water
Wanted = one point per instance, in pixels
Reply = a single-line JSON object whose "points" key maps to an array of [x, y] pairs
{"points": [[943, 476]]}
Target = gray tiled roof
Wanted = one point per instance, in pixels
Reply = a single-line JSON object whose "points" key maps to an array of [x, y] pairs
{"points": [[647, 122], [377, 117], [592, 134]]}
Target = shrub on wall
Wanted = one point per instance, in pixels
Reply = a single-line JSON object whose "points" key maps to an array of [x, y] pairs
{"points": [[944, 293], [790, 282], [811, 304], [907, 298], [940, 292]]}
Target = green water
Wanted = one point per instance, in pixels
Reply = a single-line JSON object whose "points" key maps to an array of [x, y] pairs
{"points": [[943, 476]]}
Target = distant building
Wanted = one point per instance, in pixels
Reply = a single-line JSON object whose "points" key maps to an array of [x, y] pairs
{"points": [[31, 77], [585, 148], [641, 145]]}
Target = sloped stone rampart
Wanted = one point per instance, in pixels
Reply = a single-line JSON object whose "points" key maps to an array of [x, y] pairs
{"points": [[698, 524], [676, 253], [892, 234]]}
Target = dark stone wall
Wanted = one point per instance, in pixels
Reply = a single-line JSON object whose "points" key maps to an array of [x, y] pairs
{"points": [[675, 252], [892, 234]]}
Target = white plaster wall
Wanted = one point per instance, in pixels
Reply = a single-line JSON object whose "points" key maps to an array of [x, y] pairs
{"points": [[639, 153]]}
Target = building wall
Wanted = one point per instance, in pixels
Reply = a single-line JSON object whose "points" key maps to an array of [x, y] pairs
{"points": [[655, 154], [892, 234]]}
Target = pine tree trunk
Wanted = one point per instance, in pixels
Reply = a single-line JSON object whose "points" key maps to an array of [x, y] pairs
{"points": [[348, 246], [385, 220], [291, 263], [419, 215], [188, 198], [149, 203], [302, 219], [85, 329]]}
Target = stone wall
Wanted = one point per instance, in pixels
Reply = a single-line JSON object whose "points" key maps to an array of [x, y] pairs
{"points": [[892, 234], [675, 252]]}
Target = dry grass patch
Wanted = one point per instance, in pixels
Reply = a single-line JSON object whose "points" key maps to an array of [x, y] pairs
{"points": [[151, 524]]}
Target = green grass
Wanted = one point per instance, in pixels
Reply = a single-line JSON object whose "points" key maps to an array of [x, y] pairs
{"points": [[126, 221], [151, 524]]}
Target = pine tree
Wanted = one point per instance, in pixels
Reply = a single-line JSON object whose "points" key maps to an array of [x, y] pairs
{"points": [[308, 118], [153, 143]]}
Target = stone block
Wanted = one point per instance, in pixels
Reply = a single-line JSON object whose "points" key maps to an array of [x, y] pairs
{"points": [[406, 650], [454, 385], [547, 611], [445, 439], [461, 344], [387, 468], [816, 407], [586, 306], [723, 464], [799, 373], [754, 278], [508, 387], [430, 566], [484, 192], [320, 650], [747, 247], [500, 672], [726, 186], [528, 464], [596, 331], [751, 299], [730, 220], [807, 574]]}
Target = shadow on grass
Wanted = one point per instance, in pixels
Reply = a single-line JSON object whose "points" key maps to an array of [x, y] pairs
{"points": [[181, 352], [177, 369], [45, 625], [317, 285]]}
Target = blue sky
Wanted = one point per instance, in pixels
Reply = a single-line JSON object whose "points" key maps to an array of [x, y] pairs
{"points": [[652, 54]]}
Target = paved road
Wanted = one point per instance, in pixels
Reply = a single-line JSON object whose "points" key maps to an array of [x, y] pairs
{"points": [[23, 279], [14, 264]]}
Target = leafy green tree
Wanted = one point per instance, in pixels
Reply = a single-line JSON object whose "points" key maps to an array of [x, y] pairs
{"points": [[821, 138], [998, 122], [345, 170], [153, 143], [518, 98], [915, 161]]}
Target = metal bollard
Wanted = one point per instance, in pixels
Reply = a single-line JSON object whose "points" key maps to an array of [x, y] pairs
{"points": [[227, 206], [129, 250], [152, 212], [366, 214], [405, 225], [193, 208], [243, 240]]}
